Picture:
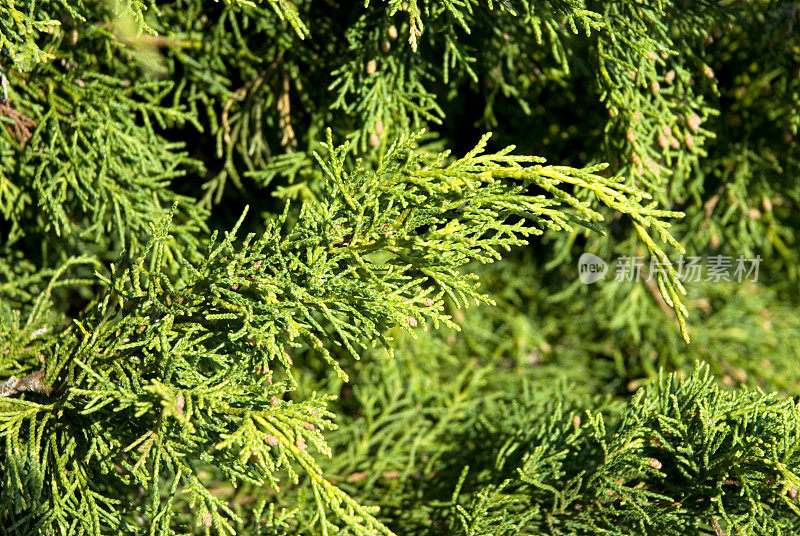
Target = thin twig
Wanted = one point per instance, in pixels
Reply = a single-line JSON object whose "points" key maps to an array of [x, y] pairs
{"points": [[31, 382]]}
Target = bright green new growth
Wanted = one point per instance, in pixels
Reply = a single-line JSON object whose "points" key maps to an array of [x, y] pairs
{"points": [[162, 373]]}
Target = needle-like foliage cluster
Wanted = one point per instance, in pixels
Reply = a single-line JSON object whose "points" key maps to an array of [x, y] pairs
{"points": [[251, 278]]}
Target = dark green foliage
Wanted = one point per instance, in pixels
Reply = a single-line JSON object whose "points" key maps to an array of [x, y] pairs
{"points": [[347, 357], [682, 457]]}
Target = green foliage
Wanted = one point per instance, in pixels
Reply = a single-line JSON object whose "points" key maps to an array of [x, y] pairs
{"points": [[201, 361], [680, 460], [317, 367]]}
